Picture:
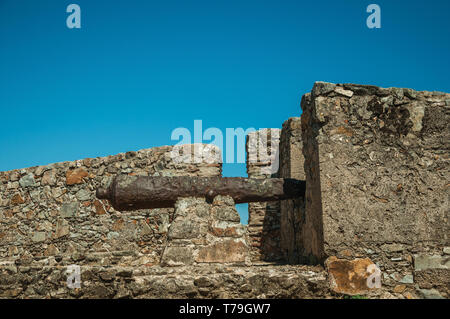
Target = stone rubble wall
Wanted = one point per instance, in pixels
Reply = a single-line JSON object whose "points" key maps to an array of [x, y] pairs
{"points": [[377, 173], [263, 217], [51, 212], [207, 281]]}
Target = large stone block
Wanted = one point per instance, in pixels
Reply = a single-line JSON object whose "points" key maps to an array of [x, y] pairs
{"points": [[376, 164]]}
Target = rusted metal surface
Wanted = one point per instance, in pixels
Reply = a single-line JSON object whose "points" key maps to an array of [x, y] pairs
{"points": [[142, 192]]}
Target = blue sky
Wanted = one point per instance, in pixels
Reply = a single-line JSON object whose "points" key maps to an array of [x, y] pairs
{"points": [[136, 70]]}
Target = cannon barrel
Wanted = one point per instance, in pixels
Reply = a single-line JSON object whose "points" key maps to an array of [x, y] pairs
{"points": [[142, 192]]}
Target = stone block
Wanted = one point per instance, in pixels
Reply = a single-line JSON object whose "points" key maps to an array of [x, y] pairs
{"points": [[227, 251], [184, 228], [38, 237], [177, 256], [227, 229], [76, 176], [49, 178], [375, 169], [27, 181], [69, 210], [424, 262], [350, 276], [430, 294], [83, 195], [17, 199]]}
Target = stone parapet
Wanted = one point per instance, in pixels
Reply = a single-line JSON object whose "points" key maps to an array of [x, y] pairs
{"points": [[52, 210]]}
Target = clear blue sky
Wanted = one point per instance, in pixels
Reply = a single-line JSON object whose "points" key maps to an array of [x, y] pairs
{"points": [[136, 70]]}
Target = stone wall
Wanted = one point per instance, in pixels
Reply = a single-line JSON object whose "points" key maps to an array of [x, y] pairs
{"points": [[51, 212], [377, 173], [264, 218], [376, 165], [205, 281]]}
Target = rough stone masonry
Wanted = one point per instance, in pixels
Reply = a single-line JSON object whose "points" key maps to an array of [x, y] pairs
{"points": [[377, 174], [376, 165]]}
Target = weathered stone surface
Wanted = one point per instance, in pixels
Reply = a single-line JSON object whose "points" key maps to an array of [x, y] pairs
{"points": [[407, 279], [349, 276], [76, 176], [226, 213], [69, 209], [229, 251], [41, 169], [27, 181], [83, 195], [62, 228], [177, 256], [206, 237], [51, 250], [154, 282], [99, 208], [192, 206], [146, 230], [223, 201], [227, 229], [323, 88], [342, 91], [430, 294], [38, 236], [49, 178], [375, 167], [292, 211], [424, 262], [392, 247], [399, 288], [184, 228], [438, 279], [17, 199], [264, 218]]}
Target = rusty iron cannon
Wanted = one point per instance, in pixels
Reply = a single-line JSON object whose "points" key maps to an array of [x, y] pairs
{"points": [[142, 192]]}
